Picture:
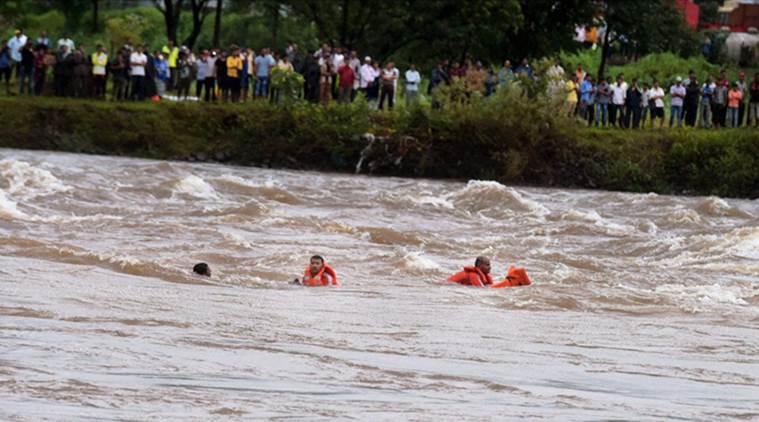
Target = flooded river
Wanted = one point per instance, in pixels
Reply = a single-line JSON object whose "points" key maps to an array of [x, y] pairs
{"points": [[644, 307]]}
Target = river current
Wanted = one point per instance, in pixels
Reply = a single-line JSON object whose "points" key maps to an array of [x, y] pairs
{"points": [[643, 307]]}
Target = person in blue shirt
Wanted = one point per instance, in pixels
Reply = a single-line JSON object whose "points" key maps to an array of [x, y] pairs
{"points": [[587, 97], [263, 65], [5, 68]]}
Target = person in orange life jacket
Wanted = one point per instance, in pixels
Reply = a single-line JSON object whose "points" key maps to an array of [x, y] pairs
{"points": [[318, 274], [478, 275]]}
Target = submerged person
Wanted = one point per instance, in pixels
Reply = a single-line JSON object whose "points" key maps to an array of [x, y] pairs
{"points": [[479, 275], [318, 273], [202, 269]]}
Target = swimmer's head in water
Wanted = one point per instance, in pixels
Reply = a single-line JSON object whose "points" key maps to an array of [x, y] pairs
{"points": [[202, 269], [483, 263], [316, 264]]}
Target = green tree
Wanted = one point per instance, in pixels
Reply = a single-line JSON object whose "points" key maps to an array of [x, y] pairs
{"points": [[645, 26]]}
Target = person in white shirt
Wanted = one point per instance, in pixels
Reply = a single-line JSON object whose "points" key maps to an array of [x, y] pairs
{"points": [[656, 94], [67, 41], [366, 74], [677, 91], [618, 97], [412, 85], [137, 62], [355, 64], [16, 44]]}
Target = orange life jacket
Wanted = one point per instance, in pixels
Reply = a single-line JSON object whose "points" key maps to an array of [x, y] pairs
{"points": [[321, 279], [472, 276], [515, 277]]}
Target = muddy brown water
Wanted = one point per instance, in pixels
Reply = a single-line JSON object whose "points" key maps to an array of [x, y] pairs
{"points": [[644, 307]]}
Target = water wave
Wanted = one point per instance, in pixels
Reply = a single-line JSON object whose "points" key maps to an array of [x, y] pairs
{"points": [[27, 181], [194, 186], [480, 195]]}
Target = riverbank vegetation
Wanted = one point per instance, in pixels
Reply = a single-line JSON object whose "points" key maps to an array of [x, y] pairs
{"points": [[509, 137]]}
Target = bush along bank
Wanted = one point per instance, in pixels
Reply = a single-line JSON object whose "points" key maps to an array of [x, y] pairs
{"points": [[510, 137]]}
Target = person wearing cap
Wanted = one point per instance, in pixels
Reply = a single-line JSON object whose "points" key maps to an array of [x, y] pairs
{"points": [[677, 92], [366, 75]]}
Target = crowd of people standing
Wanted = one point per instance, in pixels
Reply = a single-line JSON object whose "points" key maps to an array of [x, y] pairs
{"points": [[714, 103], [337, 74]]}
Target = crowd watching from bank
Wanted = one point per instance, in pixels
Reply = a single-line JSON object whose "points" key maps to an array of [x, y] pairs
{"points": [[64, 69]]}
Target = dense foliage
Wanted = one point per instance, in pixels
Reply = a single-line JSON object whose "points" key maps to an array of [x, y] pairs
{"points": [[509, 137]]}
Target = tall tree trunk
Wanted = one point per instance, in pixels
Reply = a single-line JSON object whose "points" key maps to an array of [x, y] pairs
{"points": [[95, 15], [274, 10], [604, 52], [344, 24], [171, 10], [199, 12], [217, 23]]}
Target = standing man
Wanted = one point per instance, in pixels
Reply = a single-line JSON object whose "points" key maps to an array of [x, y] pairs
{"points": [[570, 88], [413, 79], [325, 79], [753, 106], [43, 40], [707, 93], [657, 96], [719, 111], [68, 42], [347, 78], [26, 69], [16, 44], [634, 100], [263, 64], [366, 75], [618, 97], [692, 94], [387, 81], [677, 92], [137, 62], [603, 95], [171, 53], [234, 68], [743, 87], [99, 64]]}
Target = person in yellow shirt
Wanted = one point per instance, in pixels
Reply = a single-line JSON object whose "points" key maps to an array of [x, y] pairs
{"points": [[99, 64], [234, 68], [571, 89], [171, 52]]}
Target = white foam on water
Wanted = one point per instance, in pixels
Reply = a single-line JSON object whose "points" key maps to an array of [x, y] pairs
{"points": [[700, 297], [483, 194], [27, 181], [195, 186], [417, 261], [717, 207], [594, 218], [9, 209]]}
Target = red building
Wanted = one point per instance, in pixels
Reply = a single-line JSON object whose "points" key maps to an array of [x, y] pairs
{"points": [[690, 10], [739, 15]]}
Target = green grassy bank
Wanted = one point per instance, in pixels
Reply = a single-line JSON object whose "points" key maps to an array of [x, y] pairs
{"points": [[512, 142]]}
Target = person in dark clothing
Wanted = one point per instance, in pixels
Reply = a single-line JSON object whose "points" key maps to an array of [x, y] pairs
{"points": [[120, 76], [40, 68], [26, 70], [151, 90], [312, 75], [692, 95], [221, 76], [81, 74], [62, 72], [439, 76], [633, 105]]}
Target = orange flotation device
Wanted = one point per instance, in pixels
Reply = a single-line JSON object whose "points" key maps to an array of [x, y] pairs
{"points": [[515, 277], [471, 276], [325, 276]]}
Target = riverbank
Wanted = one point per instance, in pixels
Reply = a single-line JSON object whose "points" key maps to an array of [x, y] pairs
{"points": [[528, 145]]}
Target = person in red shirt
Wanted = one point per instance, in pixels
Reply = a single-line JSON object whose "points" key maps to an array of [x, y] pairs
{"points": [[347, 77]]}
